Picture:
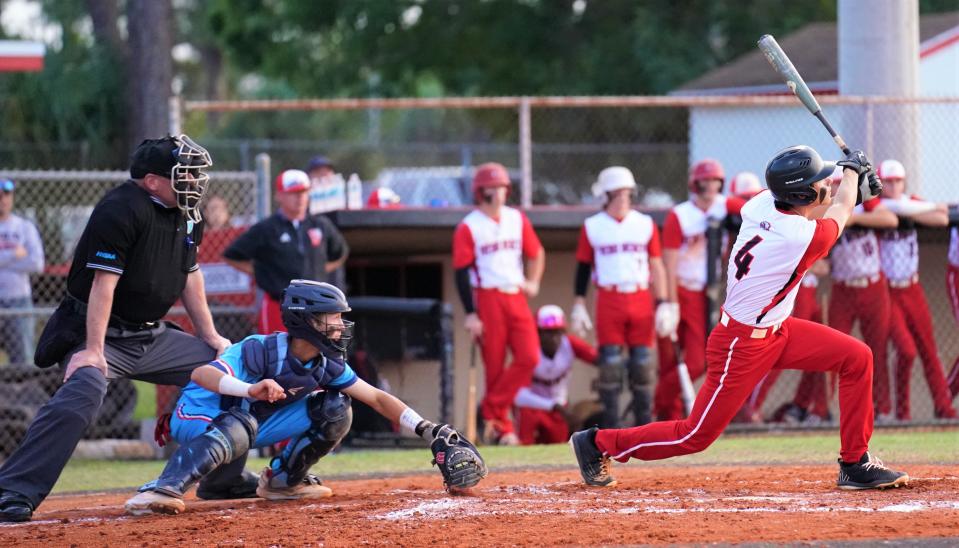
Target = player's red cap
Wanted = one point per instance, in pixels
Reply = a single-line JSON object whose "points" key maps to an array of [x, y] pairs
{"points": [[383, 198], [891, 169], [550, 316], [292, 180]]}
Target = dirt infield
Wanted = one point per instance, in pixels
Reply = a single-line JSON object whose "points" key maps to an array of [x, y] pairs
{"points": [[653, 505]]}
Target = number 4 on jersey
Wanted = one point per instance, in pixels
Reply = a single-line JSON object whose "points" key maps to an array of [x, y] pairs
{"points": [[744, 258]]}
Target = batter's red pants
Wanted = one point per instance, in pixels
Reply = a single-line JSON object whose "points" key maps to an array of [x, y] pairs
{"points": [[667, 403], [952, 286], [270, 318], [870, 305], [911, 333], [507, 322], [811, 393], [624, 319], [541, 426], [735, 363]]}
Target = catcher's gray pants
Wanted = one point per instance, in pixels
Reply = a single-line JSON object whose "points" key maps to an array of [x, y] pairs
{"points": [[160, 355]]}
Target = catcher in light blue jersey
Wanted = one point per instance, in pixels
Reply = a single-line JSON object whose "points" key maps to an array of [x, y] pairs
{"points": [[267, 388]]}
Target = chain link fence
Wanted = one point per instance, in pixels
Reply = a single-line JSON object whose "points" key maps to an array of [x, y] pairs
{"points": [[425, 150]]}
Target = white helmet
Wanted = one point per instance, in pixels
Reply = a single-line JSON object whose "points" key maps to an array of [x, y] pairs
{"points": [[550, 316], [891, 169], [613, 178], [745, 185]]}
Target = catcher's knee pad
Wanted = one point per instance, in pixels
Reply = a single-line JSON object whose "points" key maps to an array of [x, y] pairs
{"points": [[639, 366], [227, 438], [330, 416]]}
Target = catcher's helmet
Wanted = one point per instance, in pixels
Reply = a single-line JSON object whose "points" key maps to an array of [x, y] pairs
{"points": [[706, 168], [489, 175], [303, 305], [792, 172]]}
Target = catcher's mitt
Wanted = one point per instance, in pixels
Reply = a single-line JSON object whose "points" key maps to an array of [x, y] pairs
{"points": [[458, 460]]}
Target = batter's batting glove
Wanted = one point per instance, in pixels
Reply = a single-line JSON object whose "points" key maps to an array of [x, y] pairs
{"points": [[458, 460], [856, 161], [869, 187]]}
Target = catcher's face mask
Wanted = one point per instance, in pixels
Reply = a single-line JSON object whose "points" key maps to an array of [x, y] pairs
{"points": [[188, 176], [333, 330]]}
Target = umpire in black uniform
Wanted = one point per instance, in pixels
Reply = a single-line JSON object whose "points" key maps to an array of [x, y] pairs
{"points": [[136, 257]]}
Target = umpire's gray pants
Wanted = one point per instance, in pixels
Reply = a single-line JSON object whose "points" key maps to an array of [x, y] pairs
{"points": [[161, 355]]}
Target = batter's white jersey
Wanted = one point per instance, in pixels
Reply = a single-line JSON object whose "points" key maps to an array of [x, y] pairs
{"points": [[620, 248], [856, 254], [498, 249], [772, 253]]}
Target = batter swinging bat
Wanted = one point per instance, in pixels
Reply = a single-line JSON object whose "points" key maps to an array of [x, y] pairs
{"points": [[685, 383], [471, 395], [778, 59]]}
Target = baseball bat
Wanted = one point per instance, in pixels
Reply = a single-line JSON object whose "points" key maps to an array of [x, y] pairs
{"points": [[471, 396], [687, 393], [781, 63]]}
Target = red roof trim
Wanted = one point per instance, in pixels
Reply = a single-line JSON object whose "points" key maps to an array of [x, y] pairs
{"points": [[21, 64], [947, 39]]}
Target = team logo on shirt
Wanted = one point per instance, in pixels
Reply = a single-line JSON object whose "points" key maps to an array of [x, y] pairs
{"points": [[316, 236], [765, 225], [497, 246], [285, 238]]}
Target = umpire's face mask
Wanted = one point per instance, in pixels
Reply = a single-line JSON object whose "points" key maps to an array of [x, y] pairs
{"points": [[189, 178]]}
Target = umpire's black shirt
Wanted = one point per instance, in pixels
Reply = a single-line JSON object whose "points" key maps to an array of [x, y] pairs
{"points": [[150, 245], [282, 251]]}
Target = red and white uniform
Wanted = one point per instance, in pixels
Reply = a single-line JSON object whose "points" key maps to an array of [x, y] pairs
{"points": [[859, 294], [910, 326], [538, 422], [619, 251], [494, 250], [952, 286], [756, 335], [684, 230]]}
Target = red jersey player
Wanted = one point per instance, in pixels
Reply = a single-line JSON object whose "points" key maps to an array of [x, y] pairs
{"points": [[542, 404], [489, 246], [685, 258], [620, 247], [782, 234], [910, 326]]}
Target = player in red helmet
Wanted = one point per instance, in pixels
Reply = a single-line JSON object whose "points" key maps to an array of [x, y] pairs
{"points": [[542, 404], [685, 257], [910, 326], [784, 231], [489, 248], [383, 198]]}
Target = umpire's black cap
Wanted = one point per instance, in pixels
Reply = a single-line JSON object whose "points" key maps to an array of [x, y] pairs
{"points": [[155, 156]]}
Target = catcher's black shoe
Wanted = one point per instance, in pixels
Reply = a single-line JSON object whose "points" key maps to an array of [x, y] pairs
{"points": [[869, 473], [241, 487], [15, 507], [593, 464]]}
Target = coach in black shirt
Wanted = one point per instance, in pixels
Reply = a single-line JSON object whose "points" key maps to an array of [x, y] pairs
{"points": [[135, 258], [291, 244]]}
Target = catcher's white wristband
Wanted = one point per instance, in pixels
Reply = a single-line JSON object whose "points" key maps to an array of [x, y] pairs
{"points": [[410, 419], [232, 386]]}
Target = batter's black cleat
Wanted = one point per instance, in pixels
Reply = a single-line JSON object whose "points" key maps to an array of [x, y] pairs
{"points": [[869, 473], [15, 507], [593, 464], [240, 487]]}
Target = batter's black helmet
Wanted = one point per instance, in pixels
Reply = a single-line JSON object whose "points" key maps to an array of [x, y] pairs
{"points": [[303, 301], [791, 173]]}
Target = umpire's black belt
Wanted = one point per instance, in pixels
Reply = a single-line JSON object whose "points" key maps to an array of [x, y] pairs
{"points": [[80, 307]]}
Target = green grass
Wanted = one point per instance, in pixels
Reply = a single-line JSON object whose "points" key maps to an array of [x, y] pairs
{"points": [[146, 400], [932, 447]]}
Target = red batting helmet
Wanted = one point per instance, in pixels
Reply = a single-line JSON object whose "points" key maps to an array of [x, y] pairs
{"points": [[490, 175], [706, 168]]}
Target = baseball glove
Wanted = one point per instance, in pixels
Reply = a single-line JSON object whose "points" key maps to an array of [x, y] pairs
{"points": [[458, 460]]}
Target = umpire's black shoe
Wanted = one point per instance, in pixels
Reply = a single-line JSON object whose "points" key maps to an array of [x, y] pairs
{"points": [[593, 464], [242, 487], [869, 473], [15, 507]]}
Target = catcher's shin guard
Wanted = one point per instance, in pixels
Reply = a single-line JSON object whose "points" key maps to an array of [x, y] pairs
{"points": [[609, 384], [640, 384], [227, 438], [229, 481], [331, 416]]}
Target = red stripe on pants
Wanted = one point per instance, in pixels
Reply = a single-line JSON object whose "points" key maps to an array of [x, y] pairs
{"points": [[624, 318], [735, 363], [507, 322], [667, 402], [541, 426], [869, 305], [912, 334]]}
